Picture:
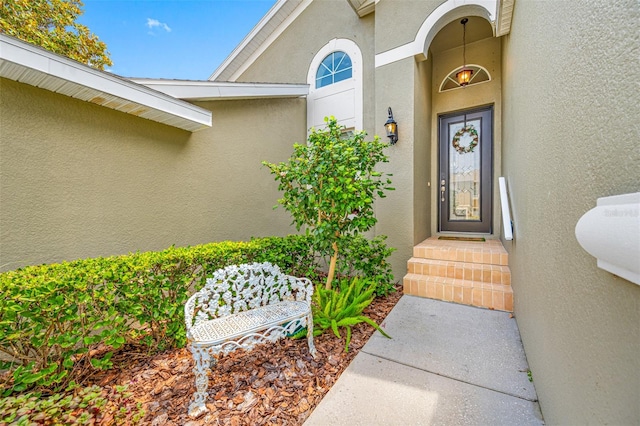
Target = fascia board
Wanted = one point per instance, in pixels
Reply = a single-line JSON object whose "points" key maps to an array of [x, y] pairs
{"points": [[275, 22], [33, 65], [260, 49], [503, 20], [363, 7], [249, 38], [211, 90]]}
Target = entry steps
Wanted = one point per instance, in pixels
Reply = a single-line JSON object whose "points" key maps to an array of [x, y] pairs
{"points": [[472, 273]]}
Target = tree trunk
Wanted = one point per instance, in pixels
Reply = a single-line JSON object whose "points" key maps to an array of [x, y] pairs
{"points": [[332, 265]]}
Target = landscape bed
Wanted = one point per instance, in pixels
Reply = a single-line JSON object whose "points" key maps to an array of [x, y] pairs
{"points": [[274, 384]]}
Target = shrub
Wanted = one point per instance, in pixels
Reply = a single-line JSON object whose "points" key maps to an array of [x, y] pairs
{"points": [[51, 316], [329, 185], [334, 309], [91, 405], [367, 258], [58, 319], [293, 254]]}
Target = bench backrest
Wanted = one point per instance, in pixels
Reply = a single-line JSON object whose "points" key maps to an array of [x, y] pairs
{"points": [[238, 288]]}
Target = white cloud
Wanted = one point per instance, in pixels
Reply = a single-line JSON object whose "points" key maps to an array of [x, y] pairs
{"points": [[153, 23]]}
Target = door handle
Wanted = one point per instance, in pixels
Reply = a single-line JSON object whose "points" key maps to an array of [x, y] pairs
{"points": [[442, 189]]}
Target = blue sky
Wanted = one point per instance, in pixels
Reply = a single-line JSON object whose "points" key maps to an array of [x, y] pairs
{"points": [[185, 39]]}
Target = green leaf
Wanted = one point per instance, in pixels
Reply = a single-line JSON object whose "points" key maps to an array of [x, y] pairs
{"points": [[347, 340], [374, 325], [347, 322], [334, 328]]}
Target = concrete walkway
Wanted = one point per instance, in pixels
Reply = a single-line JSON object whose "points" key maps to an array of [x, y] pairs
{"points": [[446, 364]]}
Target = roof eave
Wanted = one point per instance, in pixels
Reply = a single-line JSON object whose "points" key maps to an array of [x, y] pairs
{"points": [[214, 90], [363, 7], [504, 14], [29, 64], [277, 19]]}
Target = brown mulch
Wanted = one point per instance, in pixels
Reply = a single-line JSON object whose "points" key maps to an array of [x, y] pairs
{"points": [[274, 384]]}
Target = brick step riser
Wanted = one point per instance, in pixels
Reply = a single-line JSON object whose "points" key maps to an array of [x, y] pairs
{"points": [[486, 258], [469, 273], [462, 271], [483, 295]]}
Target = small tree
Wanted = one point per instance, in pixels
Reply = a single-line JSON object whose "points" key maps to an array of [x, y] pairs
{"points": [[329, 186], [52, 24]]}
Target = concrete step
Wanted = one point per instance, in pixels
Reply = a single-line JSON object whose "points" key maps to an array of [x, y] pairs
{"points": [[488, 273], [490, 252], [466, 292]]}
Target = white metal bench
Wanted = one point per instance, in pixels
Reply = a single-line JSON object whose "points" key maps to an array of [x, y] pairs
{"points": [[239, 307]]}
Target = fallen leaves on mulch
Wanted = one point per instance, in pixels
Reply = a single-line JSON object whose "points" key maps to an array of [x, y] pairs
{"points": [[274, 384]]}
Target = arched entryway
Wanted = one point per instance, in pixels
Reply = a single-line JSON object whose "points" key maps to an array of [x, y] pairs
{"points": [[464, 148], [465, 127], [464, 142]]}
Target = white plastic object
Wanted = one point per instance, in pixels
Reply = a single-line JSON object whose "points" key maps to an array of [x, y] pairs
{"points": [[611, 233], [506, 213]]}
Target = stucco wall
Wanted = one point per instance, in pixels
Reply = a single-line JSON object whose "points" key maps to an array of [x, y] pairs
{"points": [[398, 21], [288, 58], [395, 88], [79, 180], [571, 134], [422, 152]]}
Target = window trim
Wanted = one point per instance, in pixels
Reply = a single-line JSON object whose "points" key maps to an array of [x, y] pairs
{"points": [[452, 77], [356, 81]]}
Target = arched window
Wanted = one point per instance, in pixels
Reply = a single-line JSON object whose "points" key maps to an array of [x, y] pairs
{"points": [[335, 85], [479, 75], [334, 68]]}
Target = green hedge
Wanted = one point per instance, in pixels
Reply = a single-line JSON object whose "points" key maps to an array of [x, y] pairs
{"points": [[367, 259], [58, 318], [52, 314]]}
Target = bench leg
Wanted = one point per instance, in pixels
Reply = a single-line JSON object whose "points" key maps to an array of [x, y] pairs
{"points": [[202, 358], [312, 347]]}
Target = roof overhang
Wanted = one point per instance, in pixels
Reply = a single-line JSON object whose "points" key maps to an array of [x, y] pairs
{"points": [[363, 7], [215, 90], [29, 64], [277, 19], [505, 14]]}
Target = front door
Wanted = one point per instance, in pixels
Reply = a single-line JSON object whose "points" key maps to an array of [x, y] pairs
{"points": [[465, 170]]}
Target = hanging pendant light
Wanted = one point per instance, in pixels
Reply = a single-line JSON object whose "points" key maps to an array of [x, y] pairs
{"points": [[464, 75]]}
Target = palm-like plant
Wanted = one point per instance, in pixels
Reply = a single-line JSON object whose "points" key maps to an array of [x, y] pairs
{"points": [[334, 309]]}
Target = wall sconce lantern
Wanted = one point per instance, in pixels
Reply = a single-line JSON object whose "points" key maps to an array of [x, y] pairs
{"points": [[392, 128], [464, 76]]}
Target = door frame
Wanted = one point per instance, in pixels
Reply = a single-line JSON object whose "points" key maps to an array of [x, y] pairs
{"points": [[485, 225]]}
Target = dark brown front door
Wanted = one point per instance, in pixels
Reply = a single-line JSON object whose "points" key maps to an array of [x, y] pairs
{"points": [[465, 170]]}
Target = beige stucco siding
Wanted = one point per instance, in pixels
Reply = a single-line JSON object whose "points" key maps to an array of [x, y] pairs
{"points": [[398, 22], [79, 180], [288, 58], [571, 104], [395, 88], [422, 164]]}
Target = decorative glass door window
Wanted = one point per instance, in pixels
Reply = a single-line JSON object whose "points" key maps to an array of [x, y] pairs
{"points": [[464, 171]]}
